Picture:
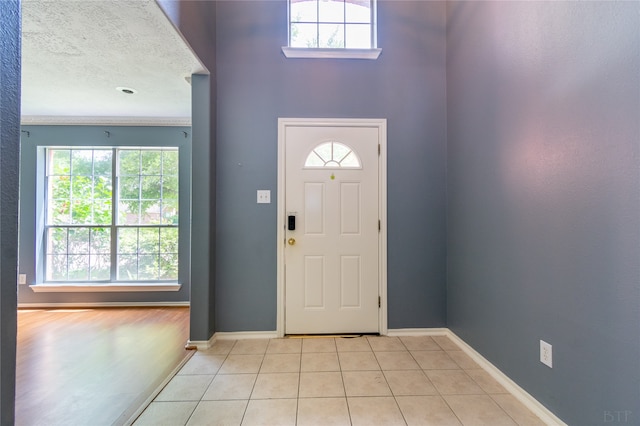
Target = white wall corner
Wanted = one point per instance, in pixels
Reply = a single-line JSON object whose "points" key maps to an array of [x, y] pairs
{"points": [[201, 345]]}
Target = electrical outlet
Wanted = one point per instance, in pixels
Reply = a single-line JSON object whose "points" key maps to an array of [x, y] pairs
{"points": [[546, 354], [22, 278], [264, 196]]}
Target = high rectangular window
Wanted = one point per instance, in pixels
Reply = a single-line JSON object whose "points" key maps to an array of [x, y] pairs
{"points": [[327, 24], [111, 214]]}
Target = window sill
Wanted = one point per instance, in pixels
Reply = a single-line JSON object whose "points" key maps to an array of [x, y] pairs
{"points": [[98, 288], [302, 52]]}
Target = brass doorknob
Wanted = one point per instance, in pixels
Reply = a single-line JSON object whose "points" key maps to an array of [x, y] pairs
{"points": [[291, 241]]}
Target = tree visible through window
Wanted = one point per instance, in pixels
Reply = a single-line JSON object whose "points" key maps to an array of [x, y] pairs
{"points": [[340, 24], [96, 233]]}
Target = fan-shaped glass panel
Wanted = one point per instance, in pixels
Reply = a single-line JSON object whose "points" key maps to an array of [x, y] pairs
{"points": [[332, 155]]}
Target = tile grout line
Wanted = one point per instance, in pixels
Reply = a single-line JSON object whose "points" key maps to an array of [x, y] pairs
{"points": [[439, 395], [506, 412], [212, 379], [157, 392], [483, 392], [299, 383], [344, 387], [391, 390], [438, 390], [246, 407], [474, 381]]}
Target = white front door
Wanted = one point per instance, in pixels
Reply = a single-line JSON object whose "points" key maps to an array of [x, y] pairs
{"points": [[331, 253]]}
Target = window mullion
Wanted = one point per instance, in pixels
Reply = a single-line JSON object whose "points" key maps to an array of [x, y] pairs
{"points": [[47, 209], [290, 22], [344, 24], [373, 31], [93, 206], [159, 251], [114, 214], [66, 255]]}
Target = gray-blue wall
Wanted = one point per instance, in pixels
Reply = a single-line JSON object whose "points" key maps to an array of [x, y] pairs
{"points": [[544, 198], [9, 152], [256, 84], [196, 20], [540, 121]]}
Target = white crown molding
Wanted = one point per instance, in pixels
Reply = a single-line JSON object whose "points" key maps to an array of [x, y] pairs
{"points": [[46, 120]]}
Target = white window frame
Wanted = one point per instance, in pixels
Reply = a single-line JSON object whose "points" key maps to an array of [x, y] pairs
{"points": [[334, 53], [111, 285]]}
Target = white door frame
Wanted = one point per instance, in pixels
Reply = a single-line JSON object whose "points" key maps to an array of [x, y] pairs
{"points": [[381, 125]]}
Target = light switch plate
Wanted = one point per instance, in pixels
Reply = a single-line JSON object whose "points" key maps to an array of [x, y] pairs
{"points": [[264, 196], [22, 278]]}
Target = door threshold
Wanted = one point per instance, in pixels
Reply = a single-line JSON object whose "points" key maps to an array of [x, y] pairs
{"points": [[323, 336]]}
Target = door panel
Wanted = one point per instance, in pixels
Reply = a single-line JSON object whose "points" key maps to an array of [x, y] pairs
{"points": [[314, 208], [332, 269], [350, 208], [350, 282], [314, 282]]}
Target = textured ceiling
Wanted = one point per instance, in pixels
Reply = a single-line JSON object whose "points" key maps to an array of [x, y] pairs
{"points": [[75, 53]]}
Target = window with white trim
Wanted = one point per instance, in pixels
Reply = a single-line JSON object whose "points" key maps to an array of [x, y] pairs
{"points": [[111, 214], [335, 28]]}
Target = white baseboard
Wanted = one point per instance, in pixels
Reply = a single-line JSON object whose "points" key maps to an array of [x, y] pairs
{"points": [[241, 335], [202, 345], [101, 305], [155, 393], [520, 394], [404, 332]]}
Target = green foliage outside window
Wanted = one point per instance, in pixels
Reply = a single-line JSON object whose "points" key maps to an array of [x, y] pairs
{"points": [[80, 215]]}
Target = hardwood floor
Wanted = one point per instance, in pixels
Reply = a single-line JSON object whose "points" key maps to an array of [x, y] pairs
{"points": [[94, 366]]}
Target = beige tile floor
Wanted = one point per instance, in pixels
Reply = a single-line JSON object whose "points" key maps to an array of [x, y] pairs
{"points": [[335, 381]]}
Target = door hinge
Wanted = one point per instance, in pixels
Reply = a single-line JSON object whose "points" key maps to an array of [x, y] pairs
{"points": [[379, 225], [379, 302], [378, 150]]}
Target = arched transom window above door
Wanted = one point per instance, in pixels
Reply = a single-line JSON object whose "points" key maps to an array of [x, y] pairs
{"points": [[334, 155]]}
